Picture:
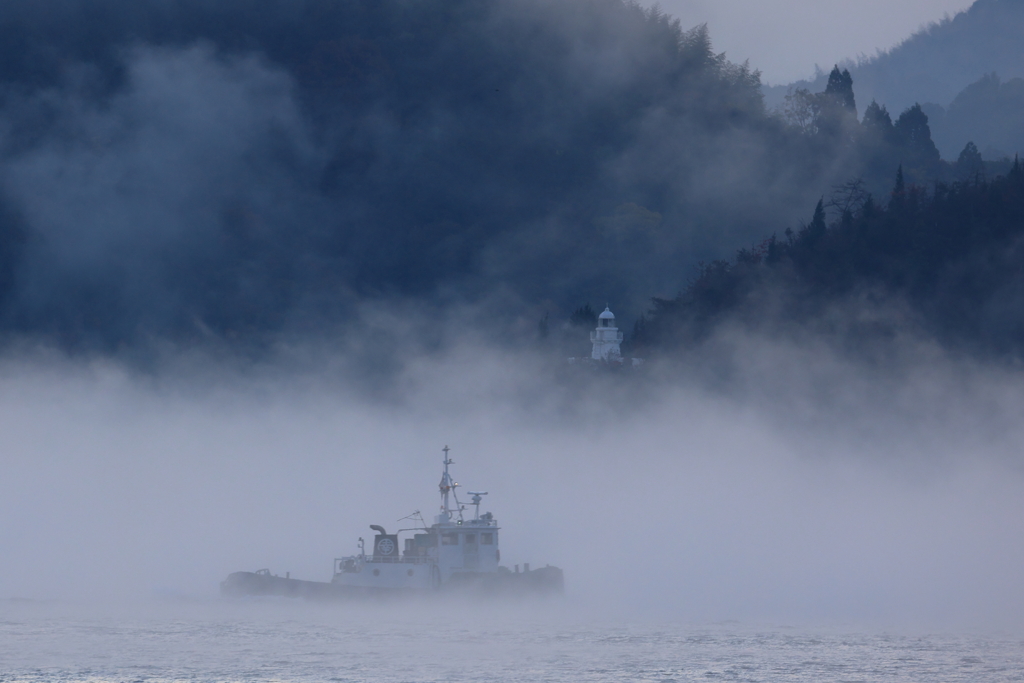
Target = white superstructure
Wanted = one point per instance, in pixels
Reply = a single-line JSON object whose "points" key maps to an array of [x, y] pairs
{"points": [[606, 338], [451, 548]]}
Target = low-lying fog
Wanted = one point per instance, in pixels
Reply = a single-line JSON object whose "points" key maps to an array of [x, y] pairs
{"points": [[804, 488]]}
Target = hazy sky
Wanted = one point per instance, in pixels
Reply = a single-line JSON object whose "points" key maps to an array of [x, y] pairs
{"points": [[786, 38]]}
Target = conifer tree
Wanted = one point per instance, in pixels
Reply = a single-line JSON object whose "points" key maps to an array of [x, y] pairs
{"points": [[584, 316], [877, 121], [899, 191], [840, 89], [914, 137], [969, 165], [816, 229]]}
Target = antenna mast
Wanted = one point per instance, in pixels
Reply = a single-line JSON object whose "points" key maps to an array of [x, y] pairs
{"points": [[446, 484], [447, 487]]}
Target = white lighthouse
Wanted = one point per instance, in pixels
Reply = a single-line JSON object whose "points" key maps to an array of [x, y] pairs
{"points": [[606, 338]]}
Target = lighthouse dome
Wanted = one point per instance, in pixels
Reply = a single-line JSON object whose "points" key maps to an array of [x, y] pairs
{"points": [[606, 338]]}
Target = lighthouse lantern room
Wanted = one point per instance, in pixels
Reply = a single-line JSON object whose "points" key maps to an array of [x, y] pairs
{"points": [[606, 338]]}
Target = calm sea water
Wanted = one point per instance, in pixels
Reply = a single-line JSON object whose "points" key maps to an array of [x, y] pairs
{"points": [[282, 641]]}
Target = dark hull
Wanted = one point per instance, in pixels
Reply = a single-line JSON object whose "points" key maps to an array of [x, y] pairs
{"points": [[241, 584], [542, 581]]}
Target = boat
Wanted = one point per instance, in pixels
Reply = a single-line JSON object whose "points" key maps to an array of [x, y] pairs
{"points": [[454, 554]]}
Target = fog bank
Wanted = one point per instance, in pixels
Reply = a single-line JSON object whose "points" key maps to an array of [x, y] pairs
{"points": [[806, 488]]}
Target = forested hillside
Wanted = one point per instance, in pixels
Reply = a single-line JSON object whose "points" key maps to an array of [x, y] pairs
{"points": [[183, 168], [176, 171], [945, 262], [955, 64]]}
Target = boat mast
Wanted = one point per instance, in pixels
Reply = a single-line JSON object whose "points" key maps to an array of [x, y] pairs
{"points": [[446, 485]]}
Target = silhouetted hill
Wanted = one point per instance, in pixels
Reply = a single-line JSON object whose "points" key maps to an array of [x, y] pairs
{"points": [[236, 169], [989, 113], [937, 63]]}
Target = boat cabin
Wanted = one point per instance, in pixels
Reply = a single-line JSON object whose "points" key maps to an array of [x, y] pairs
{"points": [[451, 547]]}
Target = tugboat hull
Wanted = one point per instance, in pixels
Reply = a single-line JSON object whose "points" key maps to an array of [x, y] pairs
{"points": [[242, 584], [539, 582]]}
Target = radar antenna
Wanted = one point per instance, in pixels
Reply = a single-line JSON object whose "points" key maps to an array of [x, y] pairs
{"points": [[477, 497]]}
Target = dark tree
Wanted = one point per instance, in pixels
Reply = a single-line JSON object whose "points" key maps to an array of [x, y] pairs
{"points": [[543, 327], [969, 165], [914, 137], [840, 89], [584, 316], [817, 226], [877, 122], [899, 191]]}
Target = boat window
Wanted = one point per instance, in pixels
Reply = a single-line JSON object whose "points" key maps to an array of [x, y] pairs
{"points": [[449, 539], [471, 539], [486, 539]]}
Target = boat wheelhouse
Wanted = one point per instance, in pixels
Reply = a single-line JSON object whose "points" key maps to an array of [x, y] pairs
{"points": [[453, 547]]}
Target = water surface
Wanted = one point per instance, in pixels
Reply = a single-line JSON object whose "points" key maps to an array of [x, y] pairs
{"points": [[292, 641]]}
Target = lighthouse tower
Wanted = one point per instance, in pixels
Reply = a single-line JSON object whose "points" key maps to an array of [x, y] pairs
{"points": [[606, 338]]}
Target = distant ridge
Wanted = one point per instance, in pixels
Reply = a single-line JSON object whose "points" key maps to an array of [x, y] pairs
{"points": [[938, 62]]}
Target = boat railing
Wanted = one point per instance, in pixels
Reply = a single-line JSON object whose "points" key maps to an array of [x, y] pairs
{"points": [[369, 559], [416, 559]]}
